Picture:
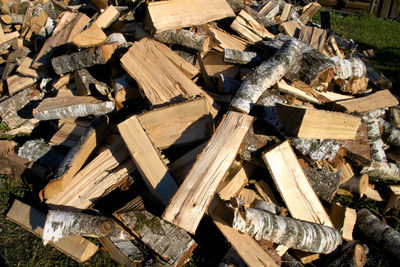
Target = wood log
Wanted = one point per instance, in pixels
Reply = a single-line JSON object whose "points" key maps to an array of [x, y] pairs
{"points": [[299, 94], [33, 220], [92, 36], [148, 160], [79, 60], [373, 194], [324, 182], [189, 39], [172, 243], [291, 28], [179, 124], [314, 37], [157, 77], [106, 18], [290, 232], [394, 116], [374, 135], [168, 15], [383, 171], [394, 201], [84, 81], [9, 108], [68, 134], [300, 122], [266, 75], [17, 83], [123, 251], [391, 134], [357, 184], [227, 40], [352, 254], [12, 164], [347, 68], [12, 19], [13, 59], [241, 57], [377, 100], [379, 232], [236, 183], [71, 107], [316, 149], [358, 150], [310, 12], [344, 219], [346, 173], [207, 172], [294, 186], [213, 65]]}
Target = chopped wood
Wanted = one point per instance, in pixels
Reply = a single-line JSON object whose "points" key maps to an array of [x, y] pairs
{"points": [[294, 186], [299, 94], [68, 134], [357, 184], [347, 68], [379, 232], [172, 243], [236, 183], [148, 160], [92, 36], [84, 82], [123, 251], [377, 100], [316, 149], [214, 65], [346, 173], [344, 219], [79, 60], [190, 39], [12, 164], [373, 194], [265, 191], [12, 19], [394, 201], [324, 182], [156, 75], [300, 122], [286, 12], [71, 107], [248, 196], [383, 171], [249, 28], [240, 57], [106, 18], [284, 230], [227, 40], [291, 28], [168, 15], [17, 83], [307, 14], [351, 254], [178, 124], [100, 4], [313, 36], [266, 75], [33, 220], [208, 171], [358, 150]]}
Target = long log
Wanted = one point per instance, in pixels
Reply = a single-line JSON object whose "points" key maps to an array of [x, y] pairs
{"points": [[383, 171], [374, 135], [316, 149], [348, 68], [266, 75], [289, 232], [379, 232], [193, 40]]}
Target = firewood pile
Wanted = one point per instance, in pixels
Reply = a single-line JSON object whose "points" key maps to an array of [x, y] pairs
{"points": [[241, 112]]}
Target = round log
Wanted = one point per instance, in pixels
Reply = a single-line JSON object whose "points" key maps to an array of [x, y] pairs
{"points": [[353, 254], [357, 184]]}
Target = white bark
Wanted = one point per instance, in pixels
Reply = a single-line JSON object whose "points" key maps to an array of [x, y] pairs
{"points": [[316, 149], [374, 136], [383, 171], [391, 134]]}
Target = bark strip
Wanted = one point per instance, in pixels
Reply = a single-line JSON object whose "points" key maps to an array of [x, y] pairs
{"points": [[193, 40]]}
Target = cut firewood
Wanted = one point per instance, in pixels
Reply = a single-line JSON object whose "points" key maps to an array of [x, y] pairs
{"points": [[351, 254], [373, 194], [313, 36], [84, 82], [391, 134], [71, 107], [379, 232], [324, 182], [237, 182], [291, 28], [106, 18], [175, 14], [285, 12], [299, 94], [346, 173], [157, 75], [213, 65], [316, 149], [148, 160], [394, 201], [123, 251], [172, 243], [248, 196], [380, 99], [79, 60], [68, 134], [207, 172], [92, 36], [265, 191], [249, 28], [68, 27], [241, 57], [33, 220], [357, 184], [13, 59], [294, 186], [344, 219], [348, 68], [178, 124], [190, 39], [265, 76], [125, 89], [358, 150], [300, 122], [18, 83], [12, 164], [226, 40], [311, 10]]}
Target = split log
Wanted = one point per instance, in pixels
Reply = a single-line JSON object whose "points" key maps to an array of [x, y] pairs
{"points": [[84, 81], [316, 149], [172, 243], [266, 75], [346, 173], [241, 57], [227, 40], [373, 194], [33, 220], [123, 251], [294, 186], [383, 171], [209, 169], [324, 182], [125, 89], [79, 60], [308, 13], [358, 150], [394, 116], [234, 184], [71, 107], [168, 15], [394, 201], [379, 232], [68, 134], [314, 37], [106, 18], [14, 59], [92, 36], [291, 28], [193, 40], [353, 254], [300, 122], [12, 164], [289, 232], [357, 184], [17, 83], [297, 93], [344, 219], [213, 65]]}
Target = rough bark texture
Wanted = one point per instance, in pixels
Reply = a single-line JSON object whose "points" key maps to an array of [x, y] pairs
{"points": [[374, 135], [185, 38], [391, 134], [75, 61], [314, 66], [353, 254], [316, 149], [266, 75], [286, 231], [34, 149], [357, 184], [172, 243], [347, 68], [383, 171], [268, 101], [289, 261], [324, 182], [241, 57], [379, 232], [123, 251]]}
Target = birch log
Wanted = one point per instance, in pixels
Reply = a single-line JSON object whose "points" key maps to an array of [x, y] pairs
{"points": [[347, 68], [316, 149], [391, 134], [383, 171], [324, 182], [287, 231], [241, 57], [374, 135], [265, 76], [193, 40], [379, 232]]}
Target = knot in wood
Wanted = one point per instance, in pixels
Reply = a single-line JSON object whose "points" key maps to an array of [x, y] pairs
{"points": [[105, 227]]}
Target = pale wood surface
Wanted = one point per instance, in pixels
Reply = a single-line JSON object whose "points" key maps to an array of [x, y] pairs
{"points": [[313, 36], [92, 36], [106, 18], [317, 124], [344, 219], [174, 14], [178, 124], [18, 83], [188, 205], [227, 40], [147, 159], [249, 28], [238, 181], [310, 12], [300, 94], [68, 135], [373, 194], [33, 220], [293, 185]]}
